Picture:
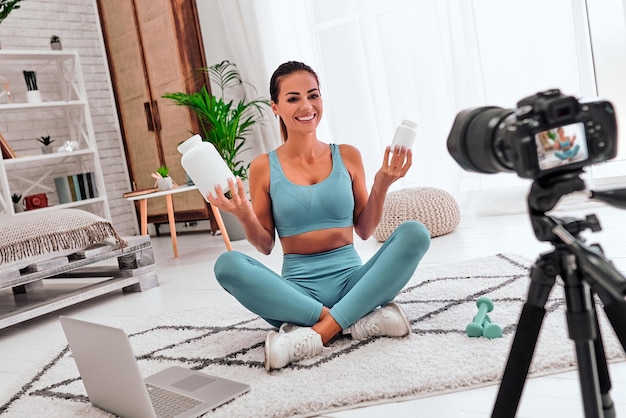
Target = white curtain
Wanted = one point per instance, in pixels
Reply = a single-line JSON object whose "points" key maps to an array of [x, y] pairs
{"points": [[232, 29], [424, 60]]}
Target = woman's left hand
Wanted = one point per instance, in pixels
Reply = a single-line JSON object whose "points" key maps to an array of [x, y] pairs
{"points": [[395, 165]]}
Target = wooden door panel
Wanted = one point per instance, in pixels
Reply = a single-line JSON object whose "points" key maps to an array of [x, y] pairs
{"points": [[167, 74], [132, 91], [144, 48]]}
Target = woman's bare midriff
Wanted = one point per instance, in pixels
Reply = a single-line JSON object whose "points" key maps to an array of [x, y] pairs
{"points": [[317, 241]]}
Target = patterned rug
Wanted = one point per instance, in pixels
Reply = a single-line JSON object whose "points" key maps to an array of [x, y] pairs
{"points": [[437, 357]]}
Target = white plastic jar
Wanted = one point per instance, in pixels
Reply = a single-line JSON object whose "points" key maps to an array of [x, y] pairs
{"points": [[204, 165], [405, 134]]}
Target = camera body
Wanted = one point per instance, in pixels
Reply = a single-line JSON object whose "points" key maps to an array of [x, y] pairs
{"points": [[36, 201], [547, 134]]}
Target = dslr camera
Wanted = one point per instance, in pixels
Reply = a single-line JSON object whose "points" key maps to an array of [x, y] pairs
{"points": [[546, 135]]}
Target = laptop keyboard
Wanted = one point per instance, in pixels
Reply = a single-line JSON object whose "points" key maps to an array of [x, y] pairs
{"points": [[169, 404]]}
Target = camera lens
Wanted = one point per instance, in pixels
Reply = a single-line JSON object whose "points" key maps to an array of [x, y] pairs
{"points": [[475, 140]]}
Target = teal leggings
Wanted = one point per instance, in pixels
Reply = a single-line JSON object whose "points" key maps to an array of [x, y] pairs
{"points": [[336, 279]]}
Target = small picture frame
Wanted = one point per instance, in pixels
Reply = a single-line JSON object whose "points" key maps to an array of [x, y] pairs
{"points": [[7, 151]]}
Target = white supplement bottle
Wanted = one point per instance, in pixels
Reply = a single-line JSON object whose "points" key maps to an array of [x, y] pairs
{"points": [[405, 134], [204, 165]]}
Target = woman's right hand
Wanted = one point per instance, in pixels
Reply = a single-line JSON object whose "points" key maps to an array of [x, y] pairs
{"points": [[241, 207], [239, 204]]}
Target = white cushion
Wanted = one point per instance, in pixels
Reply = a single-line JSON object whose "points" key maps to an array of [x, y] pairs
{"points": [[33, 236], [435, 208]]}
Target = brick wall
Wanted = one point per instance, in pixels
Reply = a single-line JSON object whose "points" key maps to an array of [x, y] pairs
{"points": [[76, 23]]}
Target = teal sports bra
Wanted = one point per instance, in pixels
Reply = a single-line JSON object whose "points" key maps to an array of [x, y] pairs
{"points": [[298, 209]]}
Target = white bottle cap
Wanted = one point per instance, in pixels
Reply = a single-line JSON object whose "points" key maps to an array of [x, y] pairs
{"points": [[409, 123]]}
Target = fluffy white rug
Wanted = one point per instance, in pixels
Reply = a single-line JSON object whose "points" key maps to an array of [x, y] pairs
{"points": [[438, 356]]}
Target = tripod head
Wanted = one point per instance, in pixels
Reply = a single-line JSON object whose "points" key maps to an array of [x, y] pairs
{"points": [[563, 232], [545, 194]]}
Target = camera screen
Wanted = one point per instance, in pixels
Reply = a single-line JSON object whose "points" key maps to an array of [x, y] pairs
{"points": [[561, 146]]}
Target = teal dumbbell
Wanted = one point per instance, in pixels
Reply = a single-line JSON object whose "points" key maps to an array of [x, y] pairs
{"points": [[491, 330], [475, 328]]}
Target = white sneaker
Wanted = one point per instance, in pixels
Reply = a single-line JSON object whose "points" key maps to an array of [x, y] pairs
{"points": [[387, 321], [287, 347], [288, 327]]}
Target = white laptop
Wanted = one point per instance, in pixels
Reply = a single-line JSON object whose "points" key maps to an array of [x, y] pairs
{"points": [[109, 371]]}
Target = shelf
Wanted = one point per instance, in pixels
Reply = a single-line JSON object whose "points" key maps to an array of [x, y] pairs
{"points": [[36, 54], [66, 114], [83, 202], [43, 157], [43, 105]]}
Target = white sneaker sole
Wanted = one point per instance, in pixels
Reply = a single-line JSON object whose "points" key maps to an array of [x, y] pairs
{"points": [[269, 339], [401, 312]]}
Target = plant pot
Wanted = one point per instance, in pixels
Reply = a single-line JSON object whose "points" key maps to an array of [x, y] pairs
{"points": [[56, 46], [18, 207], [47, 149], [165, 183], [33, 96], [234, 228]]}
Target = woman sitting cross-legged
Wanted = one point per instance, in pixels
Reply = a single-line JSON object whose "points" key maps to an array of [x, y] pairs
{"points": [[314, 195]]}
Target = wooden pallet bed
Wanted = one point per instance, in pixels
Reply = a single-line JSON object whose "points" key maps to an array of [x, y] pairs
{"points": [[54, 260]]}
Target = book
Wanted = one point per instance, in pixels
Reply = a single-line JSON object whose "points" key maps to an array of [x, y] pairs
{"points": [[63, 190], [81, 185], [74, 180], [140, 192], [91, 184], [70, 183]]}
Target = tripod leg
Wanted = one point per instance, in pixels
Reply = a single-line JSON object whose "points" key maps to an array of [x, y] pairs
{"points": [[543, 275], [582, 326], [615, 310], [608, 407]]}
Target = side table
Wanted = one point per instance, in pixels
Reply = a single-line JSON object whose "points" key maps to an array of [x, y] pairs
{"points": [[143, 195]]}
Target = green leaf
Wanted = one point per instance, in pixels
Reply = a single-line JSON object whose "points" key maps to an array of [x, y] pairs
{"points": [[6, 6]]}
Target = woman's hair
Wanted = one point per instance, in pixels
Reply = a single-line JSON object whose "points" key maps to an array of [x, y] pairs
{"points": [[282, 71]]}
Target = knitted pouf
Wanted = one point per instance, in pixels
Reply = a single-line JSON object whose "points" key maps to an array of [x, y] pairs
{"points": [[435, 208]]}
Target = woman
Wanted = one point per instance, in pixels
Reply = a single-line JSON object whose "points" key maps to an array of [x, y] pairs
{"points": [[313, 194], [564, 145]]}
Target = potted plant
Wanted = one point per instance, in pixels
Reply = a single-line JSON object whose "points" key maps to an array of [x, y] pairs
{"points": [[164, 181], [6, 7], [46, 147], [224, 123], [55, 43], [17, 203]]}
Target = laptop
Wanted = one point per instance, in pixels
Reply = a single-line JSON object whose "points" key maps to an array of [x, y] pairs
{"points": [[110, 373]]}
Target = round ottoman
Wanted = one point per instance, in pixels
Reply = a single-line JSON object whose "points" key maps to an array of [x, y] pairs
{"points": [[435, 208]]}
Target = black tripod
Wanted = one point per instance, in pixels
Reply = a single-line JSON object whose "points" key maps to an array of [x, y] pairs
{"points": [[585, 272]]}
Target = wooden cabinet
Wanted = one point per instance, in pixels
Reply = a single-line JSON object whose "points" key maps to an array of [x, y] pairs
{"points": [[154, 47], [63, 113]]}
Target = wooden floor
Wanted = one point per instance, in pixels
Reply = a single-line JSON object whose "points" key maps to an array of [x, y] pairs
{"points": [[188, 282]]}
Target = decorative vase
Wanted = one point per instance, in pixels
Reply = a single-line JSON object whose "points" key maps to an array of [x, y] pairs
{"points": [[165, 183], [33, 96]]}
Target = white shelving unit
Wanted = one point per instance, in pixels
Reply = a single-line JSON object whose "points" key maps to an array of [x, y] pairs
{"points": [[63, 114]]}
